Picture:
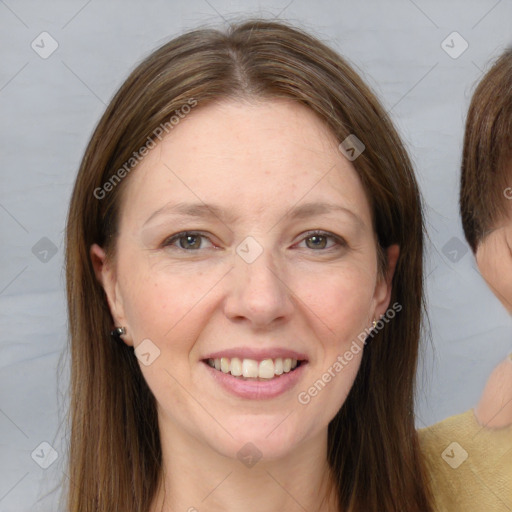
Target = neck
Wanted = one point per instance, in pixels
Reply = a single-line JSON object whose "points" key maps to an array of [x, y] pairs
{"points": [[195, 477]]}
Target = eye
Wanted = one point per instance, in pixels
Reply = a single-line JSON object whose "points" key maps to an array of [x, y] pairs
{"points": [[319, 240], [187, 241], [191, 241]]}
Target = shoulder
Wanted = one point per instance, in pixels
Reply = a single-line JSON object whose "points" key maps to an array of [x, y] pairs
{"points": [[470, 466]]}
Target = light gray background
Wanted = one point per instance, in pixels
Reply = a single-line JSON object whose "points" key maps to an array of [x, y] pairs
{"points": [[50, 106]]}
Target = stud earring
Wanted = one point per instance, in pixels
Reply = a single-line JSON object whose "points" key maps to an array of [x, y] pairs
{"points": [[374, 324], [118, 332]]}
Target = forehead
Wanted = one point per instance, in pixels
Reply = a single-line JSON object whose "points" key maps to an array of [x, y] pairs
{"points": [[253, 158]]}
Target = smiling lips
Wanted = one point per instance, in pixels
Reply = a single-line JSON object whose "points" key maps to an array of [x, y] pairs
{"points": [[256, 378], [251, 368], [256, 373]]}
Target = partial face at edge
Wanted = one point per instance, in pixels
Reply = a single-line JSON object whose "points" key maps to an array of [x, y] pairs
{"points": [[494, 259], [313, 289]]}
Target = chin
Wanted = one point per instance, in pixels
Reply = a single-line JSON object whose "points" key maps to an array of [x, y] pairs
{"points": [[268, 438]]}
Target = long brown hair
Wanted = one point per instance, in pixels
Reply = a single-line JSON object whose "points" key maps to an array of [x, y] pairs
{"points": [[115, 454]]}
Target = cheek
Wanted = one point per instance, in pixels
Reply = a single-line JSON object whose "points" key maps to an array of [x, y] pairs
{"points": [[161, 299], [494, 262], [340, 298], [340, 302]]}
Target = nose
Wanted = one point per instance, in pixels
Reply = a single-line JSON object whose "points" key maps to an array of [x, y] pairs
{"points": [[259, 292]]}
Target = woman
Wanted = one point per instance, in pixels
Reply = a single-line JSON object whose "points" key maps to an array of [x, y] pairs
{"points": [[247, 225]]}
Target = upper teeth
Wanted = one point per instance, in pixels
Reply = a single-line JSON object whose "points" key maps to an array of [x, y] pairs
{"points": [[265, 369]]}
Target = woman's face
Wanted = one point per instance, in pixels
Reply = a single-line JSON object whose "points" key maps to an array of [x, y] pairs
{"points": [[246, 238]]}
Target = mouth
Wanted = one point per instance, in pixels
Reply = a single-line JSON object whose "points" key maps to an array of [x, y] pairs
{"points": [[255, 370]]}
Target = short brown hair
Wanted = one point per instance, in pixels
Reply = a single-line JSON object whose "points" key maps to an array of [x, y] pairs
{"points": [[487, 153]]}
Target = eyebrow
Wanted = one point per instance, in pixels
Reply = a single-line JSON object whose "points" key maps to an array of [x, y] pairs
{"points": [[203, 210]]}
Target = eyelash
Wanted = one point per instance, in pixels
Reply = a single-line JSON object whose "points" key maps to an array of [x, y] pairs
{"points": [[340, 242]]}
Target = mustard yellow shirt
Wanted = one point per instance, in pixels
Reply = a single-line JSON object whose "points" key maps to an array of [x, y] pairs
{"points": [[470, 466]]}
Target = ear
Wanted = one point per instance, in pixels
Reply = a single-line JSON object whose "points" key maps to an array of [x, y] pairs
{"points": [[106, 275], [383, 288]]}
